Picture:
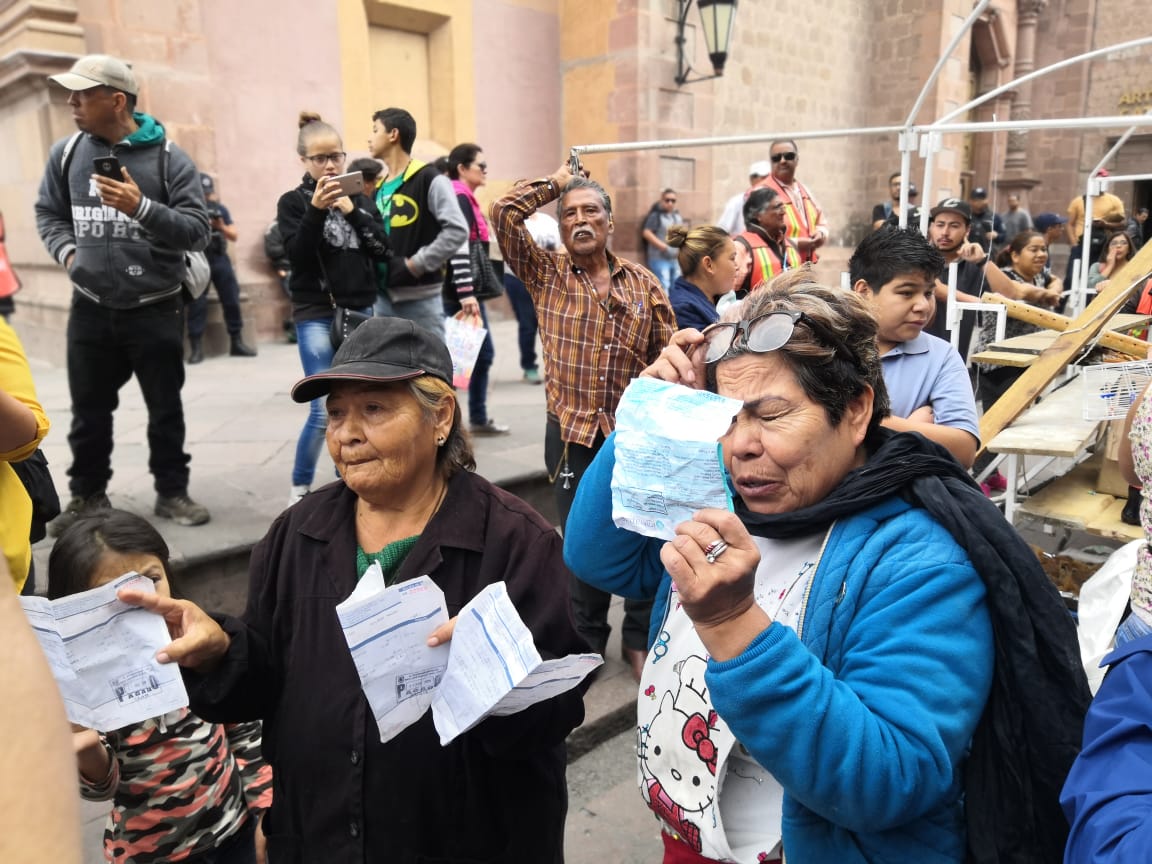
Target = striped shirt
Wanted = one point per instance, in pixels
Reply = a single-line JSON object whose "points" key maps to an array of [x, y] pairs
{"points": [[593, 348]]}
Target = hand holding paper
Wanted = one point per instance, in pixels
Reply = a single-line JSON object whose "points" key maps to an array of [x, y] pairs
{"points": [[668, 459]]}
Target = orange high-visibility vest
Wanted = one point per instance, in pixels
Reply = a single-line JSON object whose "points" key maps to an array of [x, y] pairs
{"points": [[799, 224], [766, 261]]}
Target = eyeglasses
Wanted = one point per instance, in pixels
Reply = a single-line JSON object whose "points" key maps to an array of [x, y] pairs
{"points": [[483, 166], [764, 333], [322, 159], [669, 200], [790, 156]]}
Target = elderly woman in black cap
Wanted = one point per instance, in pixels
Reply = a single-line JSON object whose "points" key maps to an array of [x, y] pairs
{"points": [[410, 500]]}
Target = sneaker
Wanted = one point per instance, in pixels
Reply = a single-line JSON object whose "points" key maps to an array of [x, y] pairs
{"points": [[297, 493], [532, 376], [181, 509], [77, 507], [490, 428]]}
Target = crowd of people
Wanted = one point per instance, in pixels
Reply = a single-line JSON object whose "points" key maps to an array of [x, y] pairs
{"points": [[860, 661]]}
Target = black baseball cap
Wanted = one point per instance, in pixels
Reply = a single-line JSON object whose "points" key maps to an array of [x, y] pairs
{"points": [[978, 193], [952, 205], [207, 182], [381, 350], [1044, 221]]}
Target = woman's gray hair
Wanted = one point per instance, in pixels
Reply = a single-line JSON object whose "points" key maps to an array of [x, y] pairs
{"points": [[455, 454], [831, 374], [584, 183]]}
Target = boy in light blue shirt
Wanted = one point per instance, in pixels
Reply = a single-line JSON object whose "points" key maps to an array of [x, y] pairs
{"points": [[894, 270]]}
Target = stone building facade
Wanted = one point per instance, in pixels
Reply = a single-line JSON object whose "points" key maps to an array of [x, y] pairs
{"points": [[529, 78]]}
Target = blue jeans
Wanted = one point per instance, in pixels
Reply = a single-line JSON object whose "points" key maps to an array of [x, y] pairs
{"points": [[316, 352], [665, 269], [525, 311], [428, 313]]}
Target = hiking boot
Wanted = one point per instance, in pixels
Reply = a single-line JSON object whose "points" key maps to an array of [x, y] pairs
{"points": [[77, 507], [532, 376], [240, 348], [490, 428], [181, 509], [196, 355]]}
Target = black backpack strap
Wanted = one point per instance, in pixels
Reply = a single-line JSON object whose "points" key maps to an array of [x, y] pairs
{"points": [[66, 163]]}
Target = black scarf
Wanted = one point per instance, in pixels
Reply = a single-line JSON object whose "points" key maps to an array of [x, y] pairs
{"points": [[1031, 728]]}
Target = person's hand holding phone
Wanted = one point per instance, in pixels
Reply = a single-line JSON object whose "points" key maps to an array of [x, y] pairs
{"points": [[123, 195], [328, 194]]}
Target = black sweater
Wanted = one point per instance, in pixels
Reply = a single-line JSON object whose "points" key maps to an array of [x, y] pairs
{"points": [[318, 266]]}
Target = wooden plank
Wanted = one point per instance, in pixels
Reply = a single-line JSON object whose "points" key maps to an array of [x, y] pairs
{"points": [[1109, 524], [1071, 499], [1004, 358], [1069, 344], [1130, 345], [1054, 427]]}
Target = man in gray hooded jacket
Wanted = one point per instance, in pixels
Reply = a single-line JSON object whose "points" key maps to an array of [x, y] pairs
{"points": [[123, 243]]}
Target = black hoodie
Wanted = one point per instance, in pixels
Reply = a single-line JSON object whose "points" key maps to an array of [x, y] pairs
{"points": [[330, 252]]}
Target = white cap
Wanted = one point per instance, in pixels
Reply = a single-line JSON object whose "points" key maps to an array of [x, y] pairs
{"points": [[760, 169], [98, 70]]}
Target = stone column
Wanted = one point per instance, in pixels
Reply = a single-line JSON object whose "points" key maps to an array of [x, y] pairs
{"points": [[1028, 14]]}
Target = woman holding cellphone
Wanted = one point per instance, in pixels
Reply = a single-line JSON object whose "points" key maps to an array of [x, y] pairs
{"points": [[332, 241]]}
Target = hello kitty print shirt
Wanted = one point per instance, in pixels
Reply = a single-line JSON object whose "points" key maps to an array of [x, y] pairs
{"points": [[701, 783]]}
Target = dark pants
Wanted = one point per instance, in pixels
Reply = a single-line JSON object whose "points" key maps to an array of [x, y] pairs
{"points": [[478, 385], [525, 311], [105, 348], [227, 289], [590, 605], [990, 386]]}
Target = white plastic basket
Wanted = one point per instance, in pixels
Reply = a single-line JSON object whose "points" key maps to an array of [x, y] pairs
{"points": [[1109, 388]]}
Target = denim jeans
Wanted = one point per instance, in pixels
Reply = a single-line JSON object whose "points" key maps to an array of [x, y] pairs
{"points": [[428, 313], [315, 346], [525, 311], [227, 289], [106, 347], [665, 269], [478, 385]]}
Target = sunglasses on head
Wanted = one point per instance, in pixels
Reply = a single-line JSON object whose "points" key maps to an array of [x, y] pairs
{"points": [[790, 156], [764, 333]]}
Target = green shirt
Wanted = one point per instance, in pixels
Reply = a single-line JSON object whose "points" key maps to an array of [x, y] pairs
{"points": [[389, 558]]}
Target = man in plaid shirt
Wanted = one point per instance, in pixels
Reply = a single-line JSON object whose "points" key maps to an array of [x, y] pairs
{"points": [[602, 320]]}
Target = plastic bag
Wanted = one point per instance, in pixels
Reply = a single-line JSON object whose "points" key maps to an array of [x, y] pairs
{"points": [[464, 334], [1103, 599]]}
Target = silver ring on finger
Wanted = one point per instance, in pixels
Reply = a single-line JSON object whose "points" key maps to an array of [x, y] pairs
{"points": [[714, 550]]}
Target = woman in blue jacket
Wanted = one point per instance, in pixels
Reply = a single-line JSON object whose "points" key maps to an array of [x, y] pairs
{"points": [[820, 658]]}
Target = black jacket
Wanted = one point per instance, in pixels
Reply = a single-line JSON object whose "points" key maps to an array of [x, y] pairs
{"points": [[497, 793], [318, 264]]}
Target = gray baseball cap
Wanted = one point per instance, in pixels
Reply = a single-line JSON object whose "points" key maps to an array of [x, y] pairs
{"points": [[98, 70]]}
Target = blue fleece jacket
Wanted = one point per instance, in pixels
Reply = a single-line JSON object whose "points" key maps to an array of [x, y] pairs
{"points": [[866, 715]]}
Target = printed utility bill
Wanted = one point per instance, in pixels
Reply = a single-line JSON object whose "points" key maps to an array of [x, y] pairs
{"points": [[387, 631], [490, 666], [103, 655], [668, 456], [495, 668]]}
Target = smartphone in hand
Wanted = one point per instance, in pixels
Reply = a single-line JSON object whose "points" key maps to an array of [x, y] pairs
{"points": [[351, 183], [108, 166]]}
